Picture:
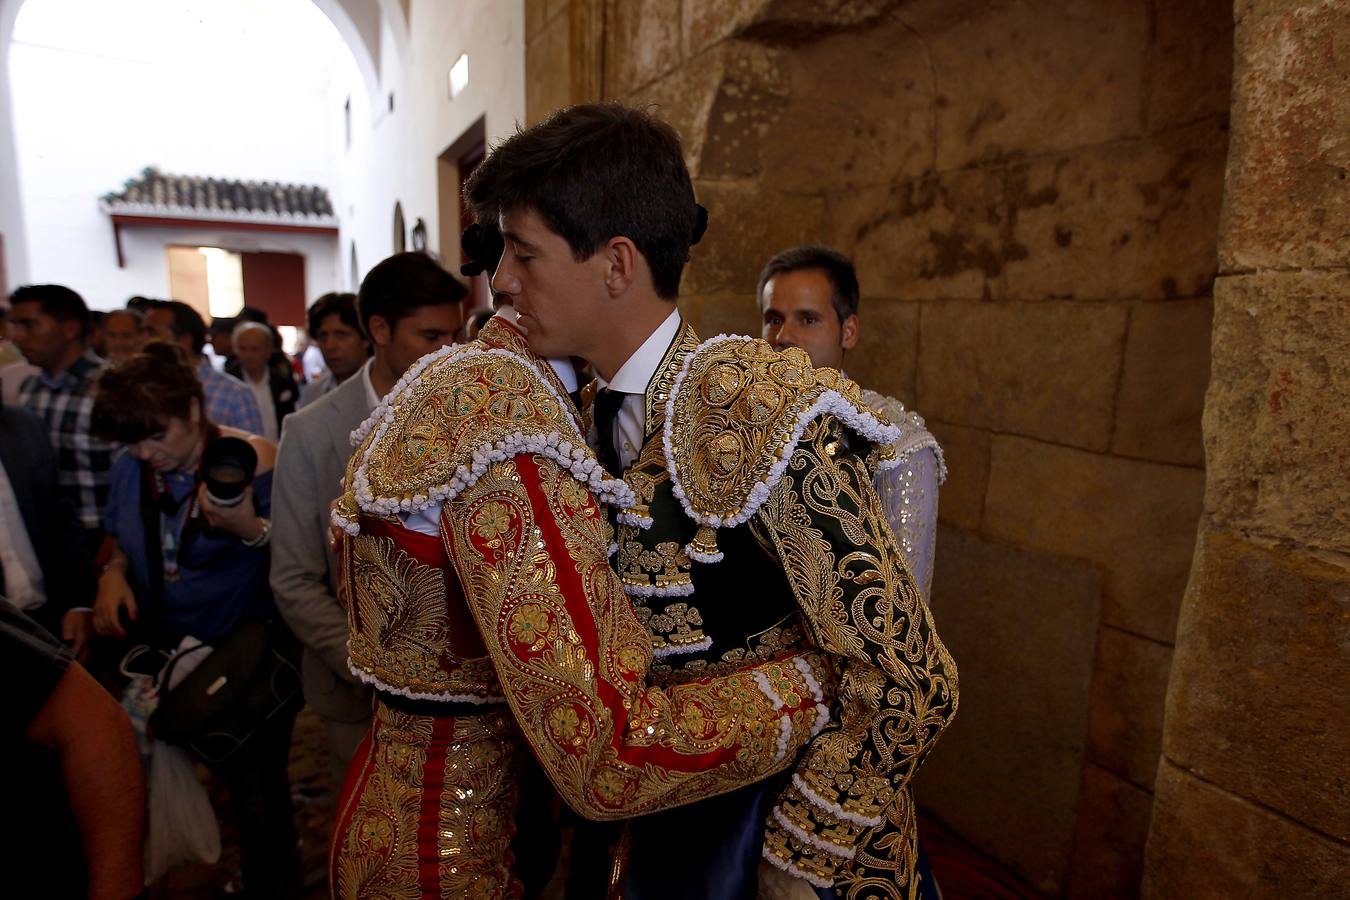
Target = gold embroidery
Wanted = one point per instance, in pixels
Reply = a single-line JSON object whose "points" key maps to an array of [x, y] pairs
{"points": [[602, 769], [381, 853], [898, 687], [477, 810], [735, 411], [378, 854], [677, 625], [399, 624], [446, 414]]}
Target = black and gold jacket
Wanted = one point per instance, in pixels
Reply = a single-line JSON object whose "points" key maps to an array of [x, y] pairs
{"points": [[757, 530]]}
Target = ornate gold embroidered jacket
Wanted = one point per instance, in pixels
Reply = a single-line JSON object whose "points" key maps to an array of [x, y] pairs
{"points": [[517, 600], [755, 531]]}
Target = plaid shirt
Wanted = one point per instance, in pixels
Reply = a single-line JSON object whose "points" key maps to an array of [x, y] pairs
{"points": [[83, 462], [228, 400]]}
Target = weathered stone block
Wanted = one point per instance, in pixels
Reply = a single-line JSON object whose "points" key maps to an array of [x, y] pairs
{"points": [[1022, 627], [712, 314], [1206, 844], [1129, 693], [1190, 62], [1132, 220], [1048, 370], [746, 227], [704, 22], [547, 70], [934, 237], [1256, 703], [834, 131], [1021, 79], [1288, 197], [1108, 847], [966, 450], [887, 354], [749, 100], [1137, 520], [1277, 427], [642, 42], [536, 13], [683, 98], [1162, 390]]}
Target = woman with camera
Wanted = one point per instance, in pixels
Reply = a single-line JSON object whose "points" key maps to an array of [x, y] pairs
{"points": [[190, 559]]}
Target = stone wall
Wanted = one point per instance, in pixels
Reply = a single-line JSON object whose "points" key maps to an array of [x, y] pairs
{"points": [[1252, 788], [1031, 191]]}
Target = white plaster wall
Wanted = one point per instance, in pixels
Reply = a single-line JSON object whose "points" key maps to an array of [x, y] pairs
{"points": [[393, 155], [86, 121], [147, 270], [233, 98], [11, 202]]}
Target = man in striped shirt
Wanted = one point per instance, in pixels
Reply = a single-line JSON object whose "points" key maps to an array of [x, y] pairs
{"points": [[50, 325]]}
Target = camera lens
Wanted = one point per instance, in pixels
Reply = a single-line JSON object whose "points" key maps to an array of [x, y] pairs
{"points": [[228, 465]]}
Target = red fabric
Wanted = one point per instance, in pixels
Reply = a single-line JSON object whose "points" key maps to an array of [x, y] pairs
{"points": [[464, 640], [577, 603]]}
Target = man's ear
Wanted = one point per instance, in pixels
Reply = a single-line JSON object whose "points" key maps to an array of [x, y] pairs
{"points": [[622, 261], [380, 332], [848, 334]]}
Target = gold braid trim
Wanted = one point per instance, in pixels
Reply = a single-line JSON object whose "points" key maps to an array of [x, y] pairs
{"points": [[898, 689], [451, 415], [572, 658], [736, 412]]}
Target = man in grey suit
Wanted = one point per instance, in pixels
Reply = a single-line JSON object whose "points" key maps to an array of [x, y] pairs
{"points": [[409, 306]]}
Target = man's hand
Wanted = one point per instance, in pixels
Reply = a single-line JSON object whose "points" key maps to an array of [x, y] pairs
{"points": [[77, 626], [114, 595]]}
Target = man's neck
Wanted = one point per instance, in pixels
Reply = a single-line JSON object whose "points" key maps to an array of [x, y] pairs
{"points": [[382, 376], [628, 333], [255, 377], [64, 361]]}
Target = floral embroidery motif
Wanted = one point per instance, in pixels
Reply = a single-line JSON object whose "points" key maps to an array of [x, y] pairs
{"points": [[399, 627]]}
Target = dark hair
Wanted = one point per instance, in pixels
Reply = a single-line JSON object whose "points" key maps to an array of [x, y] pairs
{"points": [[223, 324], [141, 305], [58, 301], [834, 265], [97, 317], [333, 304], [253, 314], [403, 283], [594, 172], [138, 396], [186, 320]]}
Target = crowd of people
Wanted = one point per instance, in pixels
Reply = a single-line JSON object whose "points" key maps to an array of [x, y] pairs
{"points": [[171, 486]]}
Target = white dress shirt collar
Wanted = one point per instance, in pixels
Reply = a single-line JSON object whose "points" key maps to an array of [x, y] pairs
{"points": [[372, 399], [635, 374]]}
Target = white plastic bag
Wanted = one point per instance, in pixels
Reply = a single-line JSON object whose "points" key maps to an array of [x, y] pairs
{"points": [[182, 826]]}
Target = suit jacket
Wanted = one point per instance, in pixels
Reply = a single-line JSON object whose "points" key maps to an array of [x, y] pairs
{"points": [[57, 536], [311, 460]]}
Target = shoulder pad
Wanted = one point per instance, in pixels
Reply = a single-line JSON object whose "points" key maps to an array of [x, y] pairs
{"points": [[454, 414], [735, 415]]}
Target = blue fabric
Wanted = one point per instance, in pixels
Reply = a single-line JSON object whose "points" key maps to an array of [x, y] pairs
{"points": [[229, 401], [222, 582], [708, 850]]}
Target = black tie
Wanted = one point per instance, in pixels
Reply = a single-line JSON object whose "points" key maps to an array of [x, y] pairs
{"points": [[607, 405]]}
